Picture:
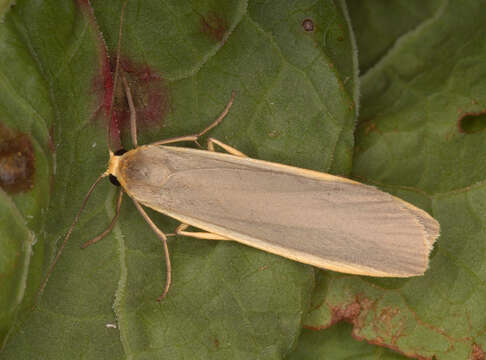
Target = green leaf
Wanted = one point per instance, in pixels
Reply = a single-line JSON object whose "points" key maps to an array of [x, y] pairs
{"points": [[49, 61], [25, 174], [410, 141], [378, 24], [4, 7], [16, 250], [336, 344], [296, 100]]}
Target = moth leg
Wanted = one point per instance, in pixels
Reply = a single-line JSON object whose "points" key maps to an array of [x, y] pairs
{"points": [[180, 230], [176, 140], [229, 149], [220, 117], [195, 137], [133, 113], [110, 227], [162, 237]]}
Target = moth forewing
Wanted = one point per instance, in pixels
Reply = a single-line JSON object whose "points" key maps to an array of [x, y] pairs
{"points": [[307, 216]]}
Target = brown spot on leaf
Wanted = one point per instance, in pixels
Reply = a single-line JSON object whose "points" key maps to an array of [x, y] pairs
{"points": [[213, 26], [348, 312], [472, 122], [17, 161], [477, 353], [388, 324], [308, 25]]}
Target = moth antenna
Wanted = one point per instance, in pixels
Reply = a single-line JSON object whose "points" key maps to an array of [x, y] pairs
{"points": [[133, 113], [68, 235], [110, 227], [117, 69]]}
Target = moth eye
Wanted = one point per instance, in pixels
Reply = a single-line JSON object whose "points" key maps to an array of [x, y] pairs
{"points": [[120, 152], [114, 180]]}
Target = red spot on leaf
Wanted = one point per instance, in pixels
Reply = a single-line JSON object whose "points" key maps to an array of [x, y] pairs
{"points": [[348, 312], [213, 26], [148, 88], [387, 325], [356, 313], [149, 93], [477, 353], [17, 161], [105, 76]]}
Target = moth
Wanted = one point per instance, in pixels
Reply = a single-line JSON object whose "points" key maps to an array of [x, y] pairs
{"points": [[311, 217]]}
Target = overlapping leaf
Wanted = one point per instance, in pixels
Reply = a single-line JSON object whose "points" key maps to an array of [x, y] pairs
{"points": [[294, 105], [417, 102]]}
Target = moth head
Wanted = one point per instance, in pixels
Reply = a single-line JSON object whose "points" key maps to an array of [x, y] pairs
{"points": [[113, 166]]}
